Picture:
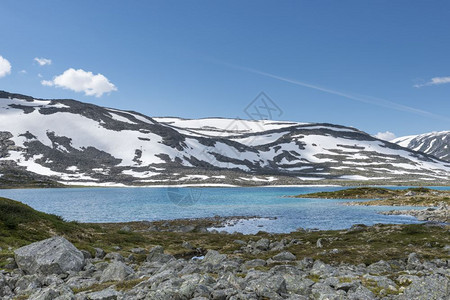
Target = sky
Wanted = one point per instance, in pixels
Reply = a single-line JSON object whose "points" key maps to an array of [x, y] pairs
{"points": [[380, 66]]}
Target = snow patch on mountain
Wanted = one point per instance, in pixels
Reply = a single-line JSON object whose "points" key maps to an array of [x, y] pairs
{"points": [[433, 143]]}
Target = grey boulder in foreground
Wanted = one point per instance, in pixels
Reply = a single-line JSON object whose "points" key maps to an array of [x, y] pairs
{"points": [[55, 255]]}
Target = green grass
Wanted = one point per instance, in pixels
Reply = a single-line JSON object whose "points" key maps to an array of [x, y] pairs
{"points": [[21, 224], [353, 193], [421, 196]]}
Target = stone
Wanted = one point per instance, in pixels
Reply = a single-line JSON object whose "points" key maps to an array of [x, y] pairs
{"points": [[413, 261], [262, 244], [432, 287], [297, 284], [202, 291], [357, 228], [284, 256], [255, 263], [51, 293], [28, 283], [324, 291], [86, 254], [267, 286], [126, 228], [319, 243], [321, 269], [156, 254], [114, 256], [11, 264], [306, 263], [138, 250], [361, 293], [276, 246], [379, 267], [108, 294], [99, 253], [51, 256], [187, 245], [213, 257], [240, 242], [116, 271]]}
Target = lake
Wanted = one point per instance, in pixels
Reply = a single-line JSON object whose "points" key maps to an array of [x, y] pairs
{"points": [[138, 204]]}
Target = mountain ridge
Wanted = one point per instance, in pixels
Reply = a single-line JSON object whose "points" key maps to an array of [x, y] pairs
{"points": [[436, 143], [81, 143]]}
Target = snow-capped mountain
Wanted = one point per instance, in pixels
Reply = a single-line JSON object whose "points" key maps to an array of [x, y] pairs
{"points": [[433, 143], [80, 143]]}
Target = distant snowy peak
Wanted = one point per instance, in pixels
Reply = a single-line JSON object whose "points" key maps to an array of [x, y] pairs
{"points": [[433, 143], [80, 143]]}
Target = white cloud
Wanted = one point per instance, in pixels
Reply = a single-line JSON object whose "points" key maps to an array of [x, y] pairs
{"points": [[47, 82], [23, 72], [387, 136], [5, 67], [82, 81], [434, 81], [43, 61]]}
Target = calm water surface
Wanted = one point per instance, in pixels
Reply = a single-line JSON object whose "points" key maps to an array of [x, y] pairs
{"points": [[137, 204]]}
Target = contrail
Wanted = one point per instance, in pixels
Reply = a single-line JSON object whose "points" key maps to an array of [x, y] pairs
{"points": [[361, 98]]}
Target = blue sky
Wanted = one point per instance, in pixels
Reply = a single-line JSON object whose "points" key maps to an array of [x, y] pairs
{"points": [[367, 64]]}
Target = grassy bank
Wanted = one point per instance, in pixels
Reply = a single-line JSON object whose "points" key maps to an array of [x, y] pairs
{"points": [[418, 196]]}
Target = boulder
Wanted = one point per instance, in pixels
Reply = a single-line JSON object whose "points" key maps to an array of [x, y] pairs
{"points": [[361, 293], [138, 251], [213, 257], [319, 243], [262, 244], [86, 254], [255, 263], [380, 267], [126, 228], [28, 283], [432, 287], [156, 254], [114, 256], [268, 286], [413, 261], [321, 269], [187, 245], [50, 293], [284, 256], [55, 255], [108, 294], [99, 253], [116, 271]]}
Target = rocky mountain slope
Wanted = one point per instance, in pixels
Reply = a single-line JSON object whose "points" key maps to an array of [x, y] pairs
{"points": [[80, 143], [433, 143]]}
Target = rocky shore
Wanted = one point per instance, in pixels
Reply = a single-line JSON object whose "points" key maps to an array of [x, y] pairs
{"points": [[436, 201], [55, 269], [441, 213]]}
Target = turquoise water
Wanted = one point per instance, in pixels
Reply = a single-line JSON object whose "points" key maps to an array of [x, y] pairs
{"points": [[137, 204]]}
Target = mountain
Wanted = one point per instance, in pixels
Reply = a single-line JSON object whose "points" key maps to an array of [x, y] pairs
{"points": [[80, 143], [433, 143]]}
